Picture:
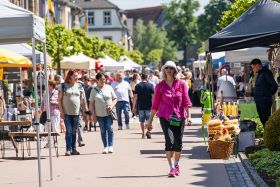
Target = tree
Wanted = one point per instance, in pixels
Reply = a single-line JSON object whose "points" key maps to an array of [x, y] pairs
{"points": [[59, 43], [149, 38], [154, 55], [235, 11], [207, 22], [112, 49], [182, 27], [135, 56]]}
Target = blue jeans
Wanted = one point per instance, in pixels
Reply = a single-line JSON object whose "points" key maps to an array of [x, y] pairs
{"points": [[122, 105], [144, 115], [71, 124], [106, 130]]}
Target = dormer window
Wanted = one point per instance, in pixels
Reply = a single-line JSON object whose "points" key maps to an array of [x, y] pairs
{"points": [[107, 18]]}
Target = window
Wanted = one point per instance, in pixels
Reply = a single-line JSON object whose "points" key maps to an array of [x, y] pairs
{"points": [[90, 18], [108, 38], [107, 18]]}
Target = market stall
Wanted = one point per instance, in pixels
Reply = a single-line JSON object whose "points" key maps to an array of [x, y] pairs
{"points": [[129, 64], [18, 25], [79, 61], [110, 64], [246, 32]]}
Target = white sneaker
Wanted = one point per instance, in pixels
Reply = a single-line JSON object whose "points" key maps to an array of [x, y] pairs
{"points": [[105, 150], [111, 150]]}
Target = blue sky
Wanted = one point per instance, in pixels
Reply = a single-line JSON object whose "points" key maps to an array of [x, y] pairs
{"points": [[132, 4]]}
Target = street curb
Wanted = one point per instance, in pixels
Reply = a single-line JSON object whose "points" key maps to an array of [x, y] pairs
{"points": [[256, 179]]}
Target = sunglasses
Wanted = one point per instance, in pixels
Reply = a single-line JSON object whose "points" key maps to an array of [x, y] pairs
{"points": [[168, 68]]}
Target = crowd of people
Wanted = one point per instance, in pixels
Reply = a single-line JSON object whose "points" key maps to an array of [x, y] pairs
{"points": [[80, 101]]}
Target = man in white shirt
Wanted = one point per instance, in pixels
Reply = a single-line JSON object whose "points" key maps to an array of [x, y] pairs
{"points": [[123, 92], [225, 77]]}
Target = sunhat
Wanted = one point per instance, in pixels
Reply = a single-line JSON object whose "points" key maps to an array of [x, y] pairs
{"points": [[169, 64]]}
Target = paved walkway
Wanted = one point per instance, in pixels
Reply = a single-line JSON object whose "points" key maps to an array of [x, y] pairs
{"points": [[136, 162]]}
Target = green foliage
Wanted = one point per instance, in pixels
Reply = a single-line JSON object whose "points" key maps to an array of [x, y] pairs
{"points": [[154, 55], [182, 27], [259, 130], [266, 162], [135, 56], [62, 42], [272, 132], [112, 49], [207, 22], [149, 38]]}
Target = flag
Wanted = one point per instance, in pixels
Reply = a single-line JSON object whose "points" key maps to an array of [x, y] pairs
{"points": [[51, 9], [86, 22], [123, 40]]}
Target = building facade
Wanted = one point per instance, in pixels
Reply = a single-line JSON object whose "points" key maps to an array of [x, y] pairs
{"points": [[105, 20]]}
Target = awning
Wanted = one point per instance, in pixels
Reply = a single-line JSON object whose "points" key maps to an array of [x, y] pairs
{"points": [[11, 59]]}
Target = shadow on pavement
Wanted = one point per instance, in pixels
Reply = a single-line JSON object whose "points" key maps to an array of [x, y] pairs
{"points": [[125, 177], [210, 177], [20, 158], [156, 152]]}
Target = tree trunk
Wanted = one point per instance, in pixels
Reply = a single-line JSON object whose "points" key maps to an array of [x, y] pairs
{"points": [[185, 48]]}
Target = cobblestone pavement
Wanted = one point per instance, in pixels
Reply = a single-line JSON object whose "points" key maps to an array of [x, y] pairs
{"points": [[237, 174]]}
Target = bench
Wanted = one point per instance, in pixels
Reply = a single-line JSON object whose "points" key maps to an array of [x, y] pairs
{"points": [[28, 136]]}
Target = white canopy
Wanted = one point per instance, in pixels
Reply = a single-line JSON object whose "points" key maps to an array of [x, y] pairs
{"points": [[128, 63], [79, 61], [25, 50], [110, 64], [246, 55], [18, 25]]}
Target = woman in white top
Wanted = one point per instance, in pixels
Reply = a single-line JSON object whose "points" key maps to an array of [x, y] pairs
{"points": [[102, 101]]}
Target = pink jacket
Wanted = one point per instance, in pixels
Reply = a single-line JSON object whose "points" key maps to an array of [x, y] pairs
{"points": [[171, 100]]}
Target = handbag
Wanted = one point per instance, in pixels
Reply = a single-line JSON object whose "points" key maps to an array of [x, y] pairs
{"points": [[112, 113], [43, 117]]}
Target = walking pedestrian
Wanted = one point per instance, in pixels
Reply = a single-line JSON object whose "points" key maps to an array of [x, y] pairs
{"points": [[71, 98], [123, 92], [102, 101], [171, 104], [143, 96], [265, 88]]}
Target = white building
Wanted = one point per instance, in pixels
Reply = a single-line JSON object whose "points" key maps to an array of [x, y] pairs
{"points": [[105, 20]]}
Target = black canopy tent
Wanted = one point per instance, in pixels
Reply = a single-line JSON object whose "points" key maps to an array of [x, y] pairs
{"points": [[259, 26]]}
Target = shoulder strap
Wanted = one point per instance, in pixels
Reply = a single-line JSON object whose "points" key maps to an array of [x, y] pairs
{"points": [[63, 88], [100, 92]]}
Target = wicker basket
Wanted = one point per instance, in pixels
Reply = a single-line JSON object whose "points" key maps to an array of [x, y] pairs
{"points": [[220, 149]]}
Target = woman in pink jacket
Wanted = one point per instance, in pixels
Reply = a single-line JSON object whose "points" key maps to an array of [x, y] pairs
{"points": [[171, 104]]}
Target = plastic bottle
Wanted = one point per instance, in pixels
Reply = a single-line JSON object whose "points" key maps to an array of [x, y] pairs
{"points": [[224, 108], [229, 113]]}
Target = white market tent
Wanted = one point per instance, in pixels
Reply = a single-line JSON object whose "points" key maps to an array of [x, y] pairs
{"points": [[128, 63], [246, 55], [110, 64], [25, 50], [79, 61], [18, 25]]}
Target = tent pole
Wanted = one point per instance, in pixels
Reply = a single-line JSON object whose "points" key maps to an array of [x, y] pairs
{"points": [[20, 76], [48, 111], [36, 112], [41, 83], [212, 81]]}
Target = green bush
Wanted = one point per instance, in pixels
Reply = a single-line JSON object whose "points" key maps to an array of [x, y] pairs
{"points": [[272, 132], [259, 130], [267, 163]]}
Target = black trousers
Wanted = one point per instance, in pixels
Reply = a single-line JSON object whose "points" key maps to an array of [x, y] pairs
{"points": [[173, 135], [264, 110]]}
